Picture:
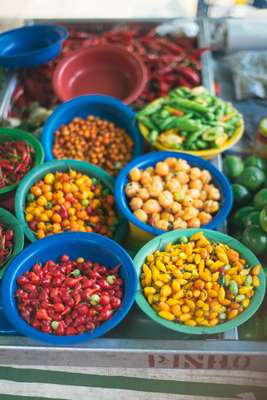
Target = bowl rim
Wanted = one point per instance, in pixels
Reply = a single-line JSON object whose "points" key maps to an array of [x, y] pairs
{"points": [[59, 29], [26, 137], [91, 100], [151, 159], [39, 171], [8, 218], [172, 236], [142, 72], [209, 153], [9, 303]]}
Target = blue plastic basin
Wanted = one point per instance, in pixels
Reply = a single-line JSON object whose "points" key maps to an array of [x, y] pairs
{"points": [[88, 245], [102, 106], [151, 159], [31, 45]]}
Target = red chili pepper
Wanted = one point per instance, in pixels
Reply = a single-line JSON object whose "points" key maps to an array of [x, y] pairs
{"points": [[189, 74], [42, 314]]}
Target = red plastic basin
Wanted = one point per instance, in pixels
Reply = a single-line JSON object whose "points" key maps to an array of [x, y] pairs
{"points": [[100, 69]]}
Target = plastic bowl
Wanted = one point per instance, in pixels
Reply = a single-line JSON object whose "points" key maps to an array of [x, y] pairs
{"points": [[142, 232], [101, 106], [61, 165], [18, 134], [8, 219], [100, 69], [160, 242], [76, 244], [31, 45], [207, 154]]}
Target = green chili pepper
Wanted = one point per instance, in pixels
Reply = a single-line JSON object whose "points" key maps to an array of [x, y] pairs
{"points": [[233, 287], [248, 280], [201, 144], [192, 138], [183, 239], [164, 114], [181, 91], [212, 134], [210, 116], [153, 136], [221, 280], [191, 105], [151, 108], [30, 197], [183, 123], [146, 122]]}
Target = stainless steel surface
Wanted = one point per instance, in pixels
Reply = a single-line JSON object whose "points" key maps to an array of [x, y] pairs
{"points": [[138, 342]]}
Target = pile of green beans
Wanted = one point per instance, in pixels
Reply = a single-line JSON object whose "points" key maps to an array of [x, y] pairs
{"points": [[189, 119]]}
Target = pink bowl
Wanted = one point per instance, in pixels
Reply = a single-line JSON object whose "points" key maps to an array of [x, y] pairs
{"points": [[100, 69]]}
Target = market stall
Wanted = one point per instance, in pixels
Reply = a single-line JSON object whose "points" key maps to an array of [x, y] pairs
{"points": [[175, 53]]}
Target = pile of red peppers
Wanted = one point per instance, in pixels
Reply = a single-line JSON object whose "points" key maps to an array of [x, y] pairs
{"points": [[16, 159], [172, 61], [6, 243]]}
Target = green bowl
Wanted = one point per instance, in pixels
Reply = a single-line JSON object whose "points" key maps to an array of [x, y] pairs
{"points": [[18, 134], [160, 242], [40, 171], [8, 219]]}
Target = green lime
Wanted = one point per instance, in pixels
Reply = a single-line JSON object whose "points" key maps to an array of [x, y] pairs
{"points": [[255, 161], [239, 219], [241, 195], [260, 199], [263, 219], [255, 239], [252, 178], [238, 235], [233, 166], [253, 218]]}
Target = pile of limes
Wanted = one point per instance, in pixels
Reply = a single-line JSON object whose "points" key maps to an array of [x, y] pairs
{"points": [[248, 222]]}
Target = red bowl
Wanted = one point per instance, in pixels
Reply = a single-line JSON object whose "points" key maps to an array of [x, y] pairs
{"points": [[100, 69]]}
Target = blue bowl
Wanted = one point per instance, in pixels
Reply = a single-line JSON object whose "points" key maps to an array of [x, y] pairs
{"points": [[101, 106], [151, 159], [31, 45], [88, 245]]}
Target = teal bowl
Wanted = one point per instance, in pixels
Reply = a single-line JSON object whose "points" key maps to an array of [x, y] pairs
{"points": [[39, 172], [159, 242]]}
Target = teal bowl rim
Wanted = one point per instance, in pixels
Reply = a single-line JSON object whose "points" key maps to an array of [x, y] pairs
{"points": [[159, 242], [58, 165], [10, 220]]}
